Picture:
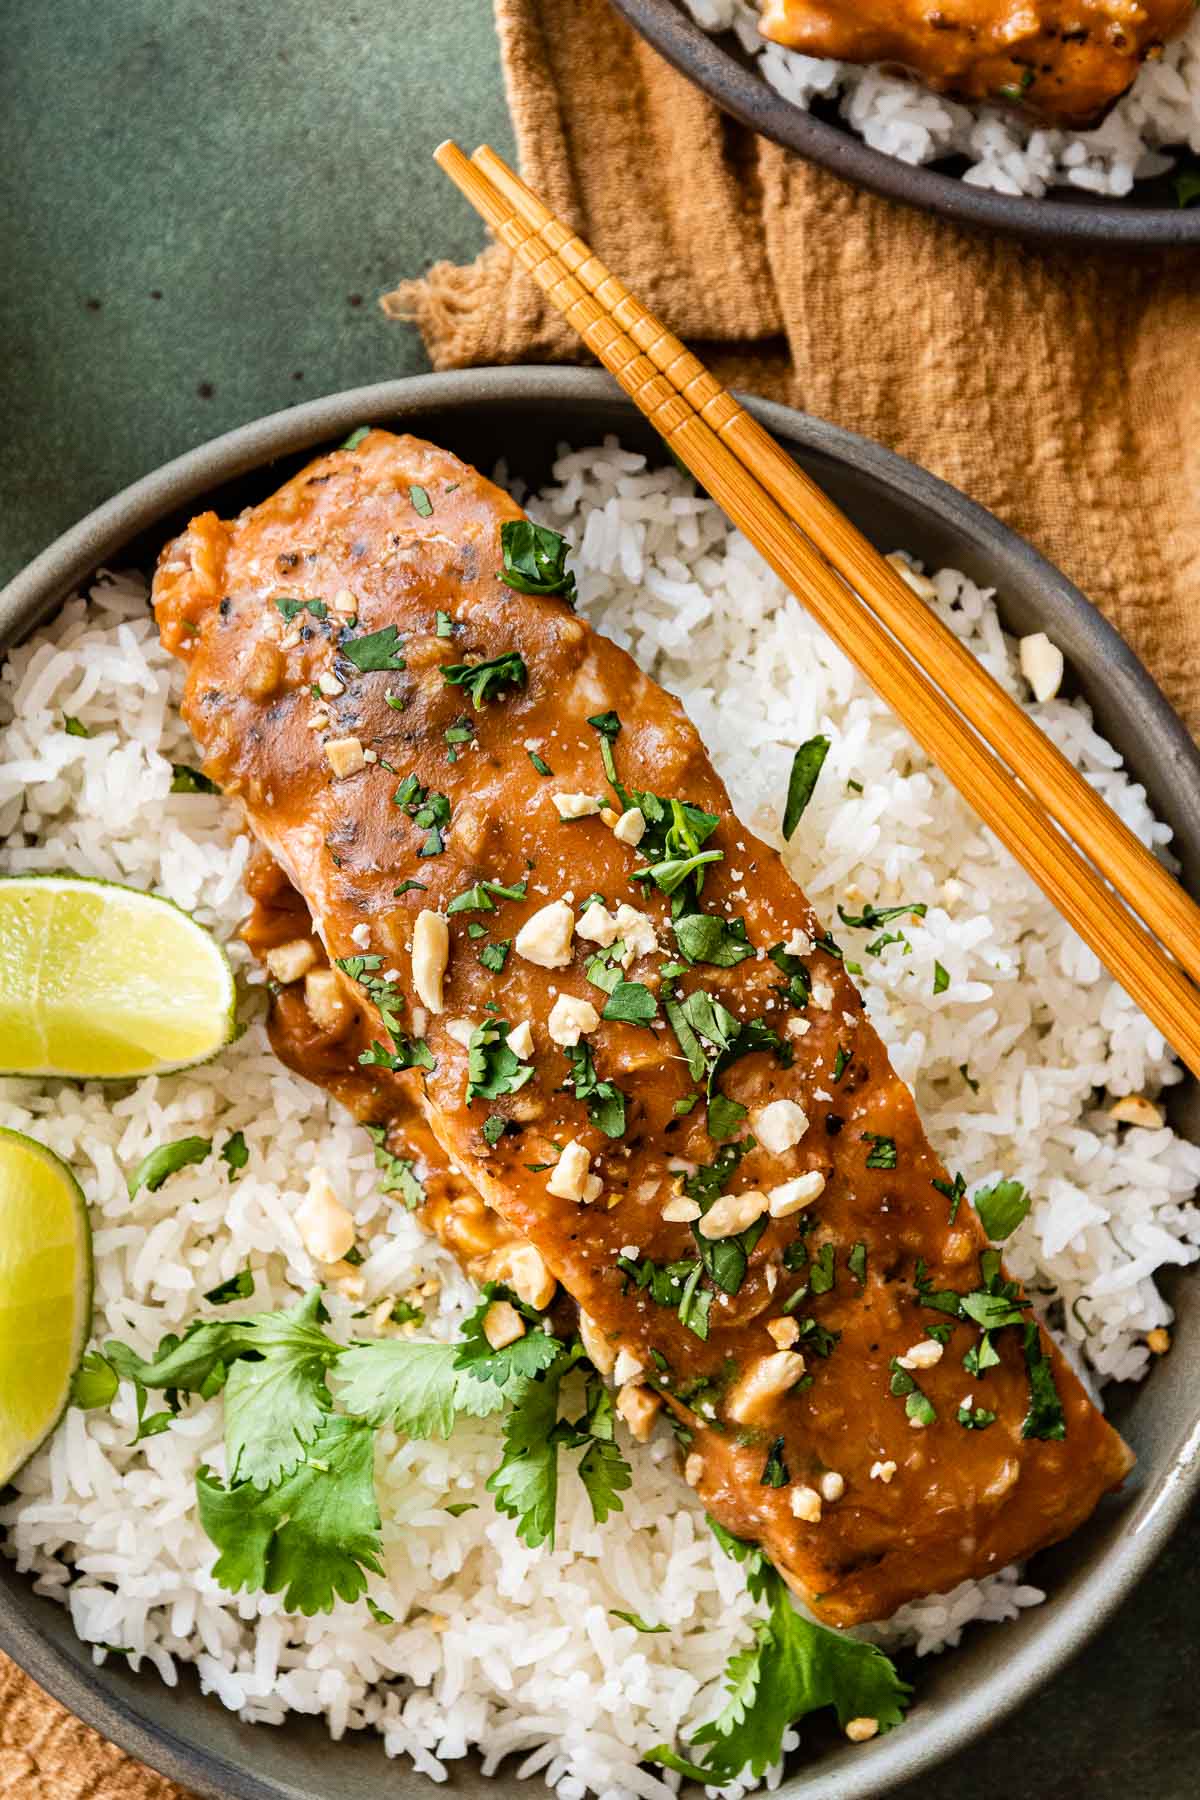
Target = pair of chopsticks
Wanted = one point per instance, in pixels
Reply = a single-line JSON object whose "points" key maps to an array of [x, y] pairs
{"points": [[1021, 785]]}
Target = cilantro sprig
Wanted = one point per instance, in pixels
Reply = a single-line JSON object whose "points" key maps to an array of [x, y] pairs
{"points": [[791, 1667]]}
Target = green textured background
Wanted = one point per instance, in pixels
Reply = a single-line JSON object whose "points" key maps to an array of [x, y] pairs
{"points": [[199, 207]]}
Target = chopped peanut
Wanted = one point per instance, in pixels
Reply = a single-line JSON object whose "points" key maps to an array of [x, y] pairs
{"points": [[790, 1196], [288, 962], [545, 938], [520, 1267], [832, 1485], [922, 1356], [693, 1469], [784, 1332], [597, 925], [598, 1347], [345, 756], [329, 684], [520, 1040], [679, 1210], [779, 1126], [860, 1730], [639, 1407], [575, 806], [570, 1019], [1135, 1109], [461, 1030], [1041, 665], [806, 1505], [1158, 1340], [326, 1228], [732, 1213], [764, 1381], [882, 1471], [630, 828], [264, 671], [502, 1324], [571, 1179], [323, 998], [430, 954]]}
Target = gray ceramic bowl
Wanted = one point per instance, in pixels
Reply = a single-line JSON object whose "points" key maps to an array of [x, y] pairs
{"points": [[1150, 216], [525, 414]]}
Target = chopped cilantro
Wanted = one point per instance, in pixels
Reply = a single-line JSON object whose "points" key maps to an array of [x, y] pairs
{"points": [[806, 767], [494, 1127], [822, 1273], [166, 1160], [705, 938], [542, 768], [398, 1171], [882, 1154], [955, 1191], [238, 1287], [234, 1153], [421, 501], [976, 1418], [856, 1262], [483, 895], [186, 780], [841, 1062], [486, 680], [407, 887], [634, 1619], [1001, 1208], [444, 624], [796, 989], [535, 559], [289, 606], [631, 1003], [356, 437], [492, 1068], [605, 1101], [376, 650], [775, 1470], [917, 1405], [941, 980], [873, 916], [76, 728], [493, 956], [1045, 1418]]}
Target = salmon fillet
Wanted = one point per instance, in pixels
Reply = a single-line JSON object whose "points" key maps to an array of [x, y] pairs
{"points": [[698, 1130]]}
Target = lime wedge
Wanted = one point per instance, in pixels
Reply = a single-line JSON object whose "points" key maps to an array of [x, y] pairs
{"points": [[103, 982], [45, 1294]]}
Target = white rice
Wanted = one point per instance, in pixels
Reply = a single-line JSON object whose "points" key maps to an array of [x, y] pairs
{"points": [[512, 1651], [1009, 154]]}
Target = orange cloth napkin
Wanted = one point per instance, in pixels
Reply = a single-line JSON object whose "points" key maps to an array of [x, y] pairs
{"points": [[1059, 388]]}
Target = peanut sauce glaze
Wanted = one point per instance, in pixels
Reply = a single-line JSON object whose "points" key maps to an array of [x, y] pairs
{"points": [[353, 526], [1064, 61]]}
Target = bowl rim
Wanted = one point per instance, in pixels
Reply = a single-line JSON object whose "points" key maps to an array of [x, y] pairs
{"points": [[1072, 1617], [701, 57]]}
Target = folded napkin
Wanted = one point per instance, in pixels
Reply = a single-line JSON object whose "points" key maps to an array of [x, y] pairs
{"points": [[1059, 388]]}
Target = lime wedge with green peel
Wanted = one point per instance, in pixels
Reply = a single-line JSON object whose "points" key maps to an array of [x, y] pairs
{"points": [[99, 981], [45, 1294]]}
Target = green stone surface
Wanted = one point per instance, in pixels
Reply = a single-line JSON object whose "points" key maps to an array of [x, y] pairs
{"points": [[200, 205]]}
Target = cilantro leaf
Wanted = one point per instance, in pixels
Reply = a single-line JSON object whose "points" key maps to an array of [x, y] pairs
{"points": [[1045, 1418], [234, 1153], [517, 1362], [535, 559], [525, 1486], [492, 1068], [794, 1667], [376, 650], [289, 606], [184, 779], [872, 916], [1001, 1208], [312, 1536], [485, 680], [167, 1160], [806, 767], [398, 1171], [238, 1287], [95, 1382], [605, 1475], [882, 1154], [705, 938], [632, 1003], [411, 1386], [605, 1101]]}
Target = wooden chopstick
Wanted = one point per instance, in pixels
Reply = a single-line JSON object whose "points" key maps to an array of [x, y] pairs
{"points": [[1122, 858], [1136, 961]]}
